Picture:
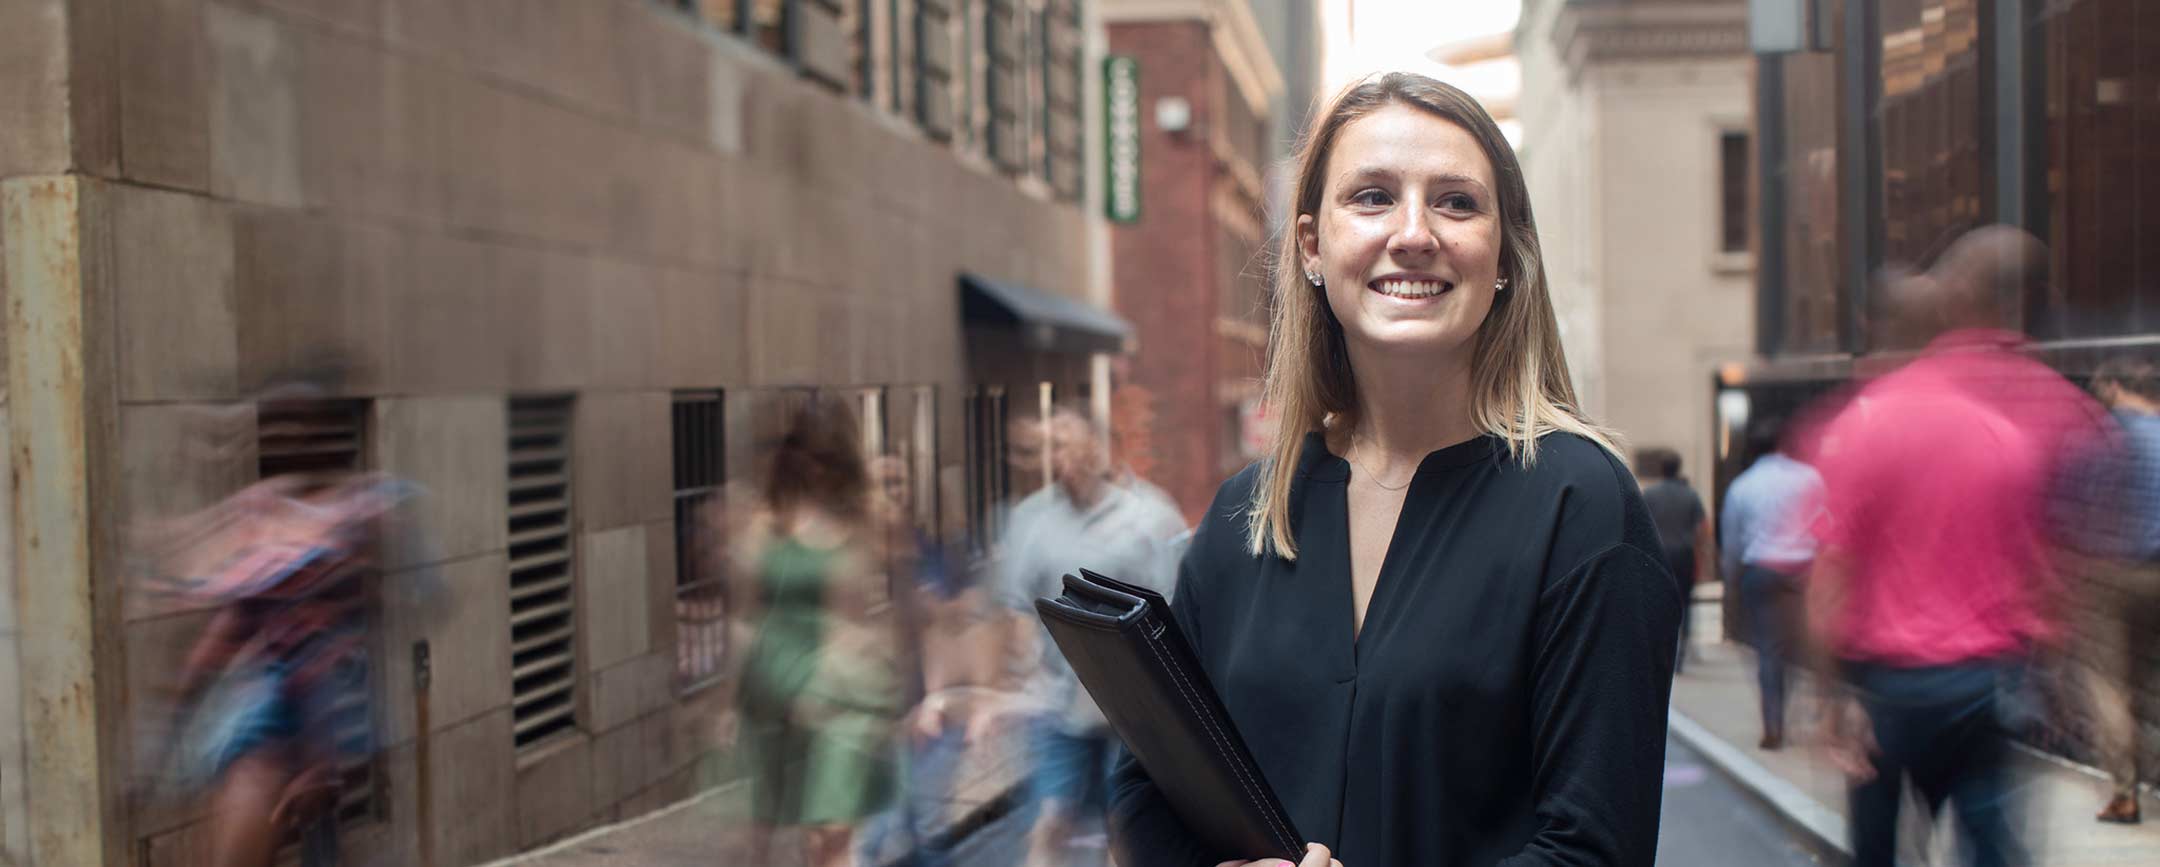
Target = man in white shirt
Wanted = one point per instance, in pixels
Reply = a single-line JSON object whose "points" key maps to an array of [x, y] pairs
{"points": [[1766, 526], [1100, 519]]}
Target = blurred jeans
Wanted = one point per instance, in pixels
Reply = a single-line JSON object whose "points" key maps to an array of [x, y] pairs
{"points": [[1071, 768], [1944, 727], [1770, 600]]}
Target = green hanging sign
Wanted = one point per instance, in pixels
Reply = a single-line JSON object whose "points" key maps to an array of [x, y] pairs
{"points": [[1121, 133]]}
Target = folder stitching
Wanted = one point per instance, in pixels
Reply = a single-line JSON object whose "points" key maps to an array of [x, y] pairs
{"points": [[1177, 673]]}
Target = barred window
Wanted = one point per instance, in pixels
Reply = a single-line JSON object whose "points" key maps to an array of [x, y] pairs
{"points": [[701, 600]]}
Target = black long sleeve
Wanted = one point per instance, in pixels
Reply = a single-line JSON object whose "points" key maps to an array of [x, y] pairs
{"points": [[1505, 701], [1598, 712]]}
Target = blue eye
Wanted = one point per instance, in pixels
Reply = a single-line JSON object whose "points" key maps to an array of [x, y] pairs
{"points": [[1373, 197]]}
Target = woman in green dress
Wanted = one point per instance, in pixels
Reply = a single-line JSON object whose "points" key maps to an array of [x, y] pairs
{"points": [[818, 691]]}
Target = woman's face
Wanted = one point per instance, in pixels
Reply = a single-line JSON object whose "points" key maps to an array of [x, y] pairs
{"points": [[1407, 234]]}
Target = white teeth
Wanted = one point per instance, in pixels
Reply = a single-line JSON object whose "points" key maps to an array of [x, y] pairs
{"points": [[1410, 289]]}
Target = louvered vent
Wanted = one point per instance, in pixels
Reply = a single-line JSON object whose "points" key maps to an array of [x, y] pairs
{"points": [[311, 437], [543, 591]]}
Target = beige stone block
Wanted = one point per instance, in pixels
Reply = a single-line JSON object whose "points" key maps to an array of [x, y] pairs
{"points": [[665, 749], [700, 328], [400, 838], [671, 789], [455, 449], [787, 338], [625, 302], [555, 794], [630, 690], [357, 16], [156, 651], [308, 290], [472, 769], [547, 301], [176, 460], [482, 138], [444, 317], [660, 558], [416, 122], [33, 87], [254, 107], [617, 587], [164, 80], [621, 459], [618, 765], [462, 610], [344, 105], [175, 290]]}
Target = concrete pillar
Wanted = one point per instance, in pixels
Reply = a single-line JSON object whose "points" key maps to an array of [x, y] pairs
{"points": [[62, 430]]}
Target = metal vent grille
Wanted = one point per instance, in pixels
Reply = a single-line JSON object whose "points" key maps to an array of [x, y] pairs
{"points": [[306, 438], [543, 591], [700, 587]]}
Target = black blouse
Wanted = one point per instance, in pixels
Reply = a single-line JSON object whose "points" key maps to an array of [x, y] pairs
{"points": [[1505, 700]]}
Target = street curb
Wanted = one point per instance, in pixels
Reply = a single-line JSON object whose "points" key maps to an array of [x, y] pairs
{"points": [[1824, 826], [590, 834]]}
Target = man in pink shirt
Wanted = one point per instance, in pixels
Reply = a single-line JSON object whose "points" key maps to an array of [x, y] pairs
{"points": [[1934, 580]]}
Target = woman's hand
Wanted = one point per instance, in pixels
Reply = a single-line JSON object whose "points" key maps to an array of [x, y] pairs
{"points": [[1316, 855]]}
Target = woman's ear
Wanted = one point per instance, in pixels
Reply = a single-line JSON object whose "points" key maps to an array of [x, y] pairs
{"points": [[1308, 242]]}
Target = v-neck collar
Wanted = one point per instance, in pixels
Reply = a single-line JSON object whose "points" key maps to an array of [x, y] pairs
{"points": [[1320, 464], [1317, 464]]}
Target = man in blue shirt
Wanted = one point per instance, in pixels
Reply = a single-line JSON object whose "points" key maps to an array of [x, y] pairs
{"points": [[1766, 523], [2116, 521]]}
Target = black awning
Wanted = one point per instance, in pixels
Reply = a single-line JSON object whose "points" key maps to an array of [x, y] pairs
{"points": [[1046, 321]]}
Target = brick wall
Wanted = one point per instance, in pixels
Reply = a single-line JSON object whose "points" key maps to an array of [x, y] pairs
{"points": [[1167, 280]]}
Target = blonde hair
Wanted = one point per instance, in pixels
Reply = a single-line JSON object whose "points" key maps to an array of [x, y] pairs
{"points": [[1519, 385]]}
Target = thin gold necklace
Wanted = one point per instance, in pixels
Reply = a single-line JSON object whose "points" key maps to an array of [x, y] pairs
{"points": [[1374, 478]]}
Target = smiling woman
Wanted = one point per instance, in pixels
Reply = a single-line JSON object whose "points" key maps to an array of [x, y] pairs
{"points": [[1437, 612]]}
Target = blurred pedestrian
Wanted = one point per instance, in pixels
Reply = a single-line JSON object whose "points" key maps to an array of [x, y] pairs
{"points": [[820, 686], [266, 719], [1933, 584], [2115, 524], [1683, 528], [1096, 519], [1768, 528]]}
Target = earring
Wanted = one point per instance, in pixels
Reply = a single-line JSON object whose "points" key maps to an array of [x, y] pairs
{"points": [[1313, 277], [1499, 285]]}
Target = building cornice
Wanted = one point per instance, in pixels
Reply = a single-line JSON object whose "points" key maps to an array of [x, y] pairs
{"points": [[1235, 32], [1587, 35]]}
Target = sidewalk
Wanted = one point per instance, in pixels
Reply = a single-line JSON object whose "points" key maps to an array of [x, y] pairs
{"points": [[1714, 710]]}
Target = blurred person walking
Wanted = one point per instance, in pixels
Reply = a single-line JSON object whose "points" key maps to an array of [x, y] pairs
{"points": [[1096, 518], [2115, 521], [1683, 528], [820, 687], [1767, 523], [1933, 584], [264, 722]]}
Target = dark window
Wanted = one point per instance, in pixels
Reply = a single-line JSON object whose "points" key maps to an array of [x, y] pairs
{"points": [[988, 484], [2097, 167], [700, 450], [1733, 192]]}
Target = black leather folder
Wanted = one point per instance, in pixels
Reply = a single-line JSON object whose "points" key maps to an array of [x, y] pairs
{"points": [[1135, 662]]}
